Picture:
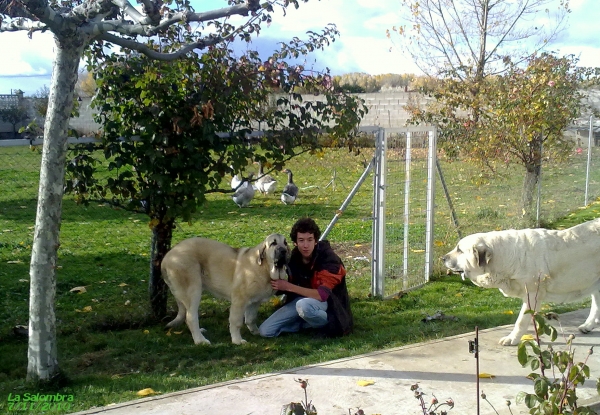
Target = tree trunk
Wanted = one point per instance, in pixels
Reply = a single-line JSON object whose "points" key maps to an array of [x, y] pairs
{"points": [[530, 183], [533, 172], [162, 235], [42, 351]]}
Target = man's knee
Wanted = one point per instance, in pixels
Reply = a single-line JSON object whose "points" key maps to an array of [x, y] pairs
{"points": [[306, 308], [265, 332]]}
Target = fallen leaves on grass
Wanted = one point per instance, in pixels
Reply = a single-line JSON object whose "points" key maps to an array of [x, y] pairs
{"points": [[146, 392]]}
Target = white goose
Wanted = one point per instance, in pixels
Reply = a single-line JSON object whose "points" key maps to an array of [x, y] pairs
{"points": [[265, 184], [290, 190], [245, 193], [235, 180]]}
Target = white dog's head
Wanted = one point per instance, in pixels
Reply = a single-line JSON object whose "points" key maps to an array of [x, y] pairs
{"points": [[470, 258], [276, 251]]}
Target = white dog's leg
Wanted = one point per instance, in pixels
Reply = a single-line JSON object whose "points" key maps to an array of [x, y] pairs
{"points": [[594, 317], [180, 315], [191, 319], [236, 320], [520, 328], [250, 317]]}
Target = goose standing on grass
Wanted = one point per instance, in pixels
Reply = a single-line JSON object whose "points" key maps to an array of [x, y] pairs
{"points": [[265, 184], [290, 190], [235, 180], [245, 193]]}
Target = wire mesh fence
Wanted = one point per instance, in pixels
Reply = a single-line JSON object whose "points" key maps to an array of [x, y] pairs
{"points": [[468, 199], [483, 200], [403, 228]]}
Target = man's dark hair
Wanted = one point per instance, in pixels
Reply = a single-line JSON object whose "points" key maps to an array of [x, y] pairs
{"points": [[305, 225]]}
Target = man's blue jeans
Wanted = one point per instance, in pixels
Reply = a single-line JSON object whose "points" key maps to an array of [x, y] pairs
{"points": [[298, 314]]}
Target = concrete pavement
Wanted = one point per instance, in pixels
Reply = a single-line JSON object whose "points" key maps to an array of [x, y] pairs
{"points": [[444, 368]]}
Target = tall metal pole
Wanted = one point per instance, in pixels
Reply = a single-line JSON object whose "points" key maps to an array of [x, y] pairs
{"points": [[474, 348], [407, 184], [378, 241], [429, 228], [589, 160]]}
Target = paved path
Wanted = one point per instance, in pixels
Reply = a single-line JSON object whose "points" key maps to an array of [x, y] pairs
{"points": [[442, 367]]}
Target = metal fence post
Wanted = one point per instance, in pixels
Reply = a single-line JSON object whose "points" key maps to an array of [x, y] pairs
{"points": [[429, 223], [407, 166], [589, 160], [378, 243]]}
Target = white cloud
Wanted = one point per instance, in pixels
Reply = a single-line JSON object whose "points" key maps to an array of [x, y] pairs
{"points": [[588, 56], [362, 45], [24, 56], [382, 22], [370, 55]]}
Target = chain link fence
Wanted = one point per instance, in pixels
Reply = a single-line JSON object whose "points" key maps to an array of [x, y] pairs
{"points": [[472, 201]]}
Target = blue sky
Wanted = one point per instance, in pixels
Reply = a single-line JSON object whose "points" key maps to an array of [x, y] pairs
{"points": [[361, 47]]}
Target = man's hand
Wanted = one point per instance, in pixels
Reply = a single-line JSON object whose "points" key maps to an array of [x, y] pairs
{"points": [[284, 285], [281, 285]]}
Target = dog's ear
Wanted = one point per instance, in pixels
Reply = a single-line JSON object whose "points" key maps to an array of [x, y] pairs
{"points": [[483, 254], [261, 255]]}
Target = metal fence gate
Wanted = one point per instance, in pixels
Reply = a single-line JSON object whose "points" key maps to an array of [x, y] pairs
{"points": [[403, 207]]}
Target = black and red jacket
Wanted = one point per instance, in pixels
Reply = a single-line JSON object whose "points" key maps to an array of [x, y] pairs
{"points": [[326, 274]]}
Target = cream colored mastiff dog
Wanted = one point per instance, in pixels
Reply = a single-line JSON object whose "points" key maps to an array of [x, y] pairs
{"points": [[535, 265], [240, 275]]}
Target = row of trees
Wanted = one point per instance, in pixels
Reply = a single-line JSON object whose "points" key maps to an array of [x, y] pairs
{"points": [[354, 82], [358, 82]]}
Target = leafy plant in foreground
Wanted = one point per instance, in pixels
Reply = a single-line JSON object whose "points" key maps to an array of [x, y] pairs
{"points": [[555, 394]]}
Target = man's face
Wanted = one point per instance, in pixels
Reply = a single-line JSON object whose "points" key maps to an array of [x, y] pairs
{"points": [[306, 244]]}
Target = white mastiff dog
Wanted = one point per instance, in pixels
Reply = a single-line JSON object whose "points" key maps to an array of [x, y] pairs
{"points": [[241, 275], [535, 265]]}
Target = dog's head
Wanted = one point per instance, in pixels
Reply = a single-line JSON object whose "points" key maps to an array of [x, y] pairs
{"points": [[277, 253], [470, 257]]}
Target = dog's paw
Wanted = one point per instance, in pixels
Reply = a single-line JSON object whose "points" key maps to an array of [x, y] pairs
{"points": [[254, 330], [508, 341], [586, 328], [202, 341], [240, 341]]}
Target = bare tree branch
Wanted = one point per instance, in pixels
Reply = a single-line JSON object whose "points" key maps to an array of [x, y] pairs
{"points": [[129, 10], [456, 34], [142, 48], [89, 15]]}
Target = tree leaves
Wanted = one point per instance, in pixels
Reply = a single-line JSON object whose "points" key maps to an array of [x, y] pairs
{"points": [[162, 121], [518, 116]]}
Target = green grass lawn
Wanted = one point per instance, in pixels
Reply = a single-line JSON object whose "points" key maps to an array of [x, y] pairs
{"points": [[108, 346]]}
